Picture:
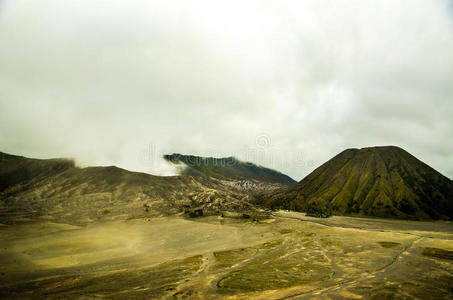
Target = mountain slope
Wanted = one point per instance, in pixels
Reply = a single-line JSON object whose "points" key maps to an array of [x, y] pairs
{"points": [[56, 189], [228, 168], [16, 169], [375, 181]]}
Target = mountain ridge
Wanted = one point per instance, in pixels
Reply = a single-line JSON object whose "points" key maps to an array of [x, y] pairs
{"points": [[383, 181], [56, 189], [227, 168]]}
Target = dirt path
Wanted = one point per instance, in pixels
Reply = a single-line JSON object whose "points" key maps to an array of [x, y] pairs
{"points": [[363, 276]]}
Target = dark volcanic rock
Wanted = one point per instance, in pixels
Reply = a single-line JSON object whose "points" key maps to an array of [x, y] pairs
{"points": [[376, 181], [196, 213]]}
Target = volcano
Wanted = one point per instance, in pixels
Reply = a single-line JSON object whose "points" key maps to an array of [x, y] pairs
{"points": [[376, 181]]}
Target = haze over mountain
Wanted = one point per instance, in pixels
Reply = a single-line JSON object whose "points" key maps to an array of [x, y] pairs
{"points": [[104, 82], [374, 181]]}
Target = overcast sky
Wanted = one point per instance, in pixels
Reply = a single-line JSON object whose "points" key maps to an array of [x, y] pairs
{"points": [[285, 84]]}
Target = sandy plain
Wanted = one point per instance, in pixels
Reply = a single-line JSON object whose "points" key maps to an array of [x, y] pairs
{"points": [[287, 256]]}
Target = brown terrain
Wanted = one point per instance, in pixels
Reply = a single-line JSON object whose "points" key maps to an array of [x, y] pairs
{"points": [[105, 232]]}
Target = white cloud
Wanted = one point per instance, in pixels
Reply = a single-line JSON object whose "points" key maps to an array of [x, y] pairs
{"points": [[105, 81]]}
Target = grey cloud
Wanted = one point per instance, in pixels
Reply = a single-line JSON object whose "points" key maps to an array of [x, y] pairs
{"points": [[116, 82]]}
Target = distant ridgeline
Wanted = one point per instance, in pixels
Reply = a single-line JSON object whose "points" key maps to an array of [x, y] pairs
{"points": [[375, 181], [228, 168]]}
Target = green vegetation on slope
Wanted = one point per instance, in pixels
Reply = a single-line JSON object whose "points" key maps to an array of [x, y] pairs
{"points": [[227, 168], [376, 181]]}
